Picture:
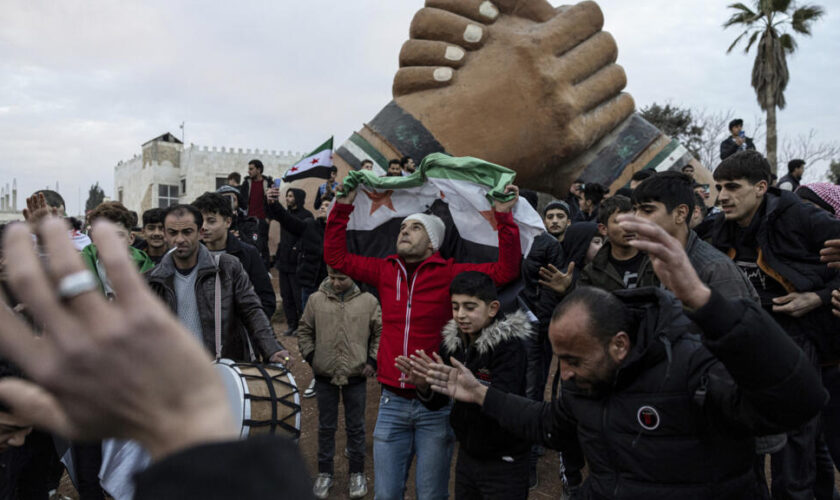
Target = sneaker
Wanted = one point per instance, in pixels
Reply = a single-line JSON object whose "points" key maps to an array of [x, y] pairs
{"points": [[323, 483], [310, 390], [358, 485]]}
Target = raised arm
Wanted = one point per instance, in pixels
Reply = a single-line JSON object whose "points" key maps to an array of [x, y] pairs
{"points": [[506, 269], [365, 269]]}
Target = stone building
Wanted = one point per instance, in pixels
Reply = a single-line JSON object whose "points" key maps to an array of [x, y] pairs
{"points": [[166, 172], [8, 203]]}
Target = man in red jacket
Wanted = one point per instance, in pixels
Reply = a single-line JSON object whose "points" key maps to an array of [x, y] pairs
{"points": [[413, 288]]}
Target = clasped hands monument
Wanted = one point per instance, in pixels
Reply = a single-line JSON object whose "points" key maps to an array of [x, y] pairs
{"points": [[518, 83]]}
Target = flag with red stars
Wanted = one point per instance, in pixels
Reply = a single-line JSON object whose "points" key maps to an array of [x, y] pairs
{"points": [[318, 164]]}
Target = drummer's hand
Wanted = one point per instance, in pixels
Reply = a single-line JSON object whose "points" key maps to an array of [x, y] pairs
{"points": [[284, 358], [368, 371], [125, 369]]}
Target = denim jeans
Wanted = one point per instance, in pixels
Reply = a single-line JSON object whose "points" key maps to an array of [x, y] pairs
{"points": [[404, 428], [354, 423]]}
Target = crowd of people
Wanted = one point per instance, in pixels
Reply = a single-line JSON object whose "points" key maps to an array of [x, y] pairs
{"points": [[693, 340]]}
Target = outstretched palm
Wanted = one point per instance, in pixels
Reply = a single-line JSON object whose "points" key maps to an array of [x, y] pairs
{"points": [[455, 381]]}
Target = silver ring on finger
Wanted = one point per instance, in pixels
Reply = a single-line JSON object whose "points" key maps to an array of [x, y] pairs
{"points": [[77, 283]]}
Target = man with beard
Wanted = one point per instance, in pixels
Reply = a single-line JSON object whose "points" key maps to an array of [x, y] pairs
{"points": [[557, 218], [659, 412], [185, 280]]}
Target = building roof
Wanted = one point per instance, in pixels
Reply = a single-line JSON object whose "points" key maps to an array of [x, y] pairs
{"points": [[167, 137]]}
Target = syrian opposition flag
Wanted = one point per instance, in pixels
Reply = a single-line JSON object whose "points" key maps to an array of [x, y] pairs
{"points": [[458, 190], [315, 164]]}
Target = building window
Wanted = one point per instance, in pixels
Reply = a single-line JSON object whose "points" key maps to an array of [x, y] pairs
{"points": [[167, 195], [221, 181], [184, 186]]}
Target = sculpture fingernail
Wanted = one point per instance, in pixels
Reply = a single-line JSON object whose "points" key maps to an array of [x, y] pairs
{"points": [[473, 33], [488, 10], [454, 53], [443, 74]]}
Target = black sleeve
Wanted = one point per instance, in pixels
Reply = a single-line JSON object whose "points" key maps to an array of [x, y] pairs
{"points": [[548, 298], [256, 468], [769, 384], [289, 222], [540, 422], [317, 203], [261, 280], [728, 148]]}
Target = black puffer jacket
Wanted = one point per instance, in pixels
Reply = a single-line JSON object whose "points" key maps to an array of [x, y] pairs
{"points": [[497, 359], [680, 417], [540, 300], [288, 250]]}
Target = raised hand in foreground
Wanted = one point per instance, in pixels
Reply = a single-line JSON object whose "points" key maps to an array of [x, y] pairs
{"points": [[125, 369], [669, 260], [456, 381]]}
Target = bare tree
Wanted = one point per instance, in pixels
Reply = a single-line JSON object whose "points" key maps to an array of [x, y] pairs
{"points": [[807, 147]]}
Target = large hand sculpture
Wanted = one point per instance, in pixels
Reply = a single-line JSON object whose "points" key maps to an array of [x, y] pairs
{"points": [[518, 83]]}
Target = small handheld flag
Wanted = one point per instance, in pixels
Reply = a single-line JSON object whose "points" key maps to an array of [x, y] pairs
{"points": [[317, 164]]}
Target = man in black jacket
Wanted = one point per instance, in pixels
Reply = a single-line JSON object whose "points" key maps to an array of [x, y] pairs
{"points": [[288, 253], [796, 169], [215, 233], [311, 269], [737, 140], [659, 412], [776, 239]]}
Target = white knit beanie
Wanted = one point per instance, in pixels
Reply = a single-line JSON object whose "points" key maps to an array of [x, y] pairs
{"points": [[433, 225]]}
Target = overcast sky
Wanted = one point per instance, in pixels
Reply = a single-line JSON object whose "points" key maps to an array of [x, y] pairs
{"points": [[84, 83]]}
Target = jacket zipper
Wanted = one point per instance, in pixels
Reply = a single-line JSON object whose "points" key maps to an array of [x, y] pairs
{"points": [[408, 307]]}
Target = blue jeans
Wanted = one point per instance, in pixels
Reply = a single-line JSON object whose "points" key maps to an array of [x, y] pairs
{"points": [[404, 427]]}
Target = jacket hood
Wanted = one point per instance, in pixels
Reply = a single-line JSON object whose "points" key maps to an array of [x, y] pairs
{"points": [[300, 196], [512, 326], [166, 267], [576, 242], [659, 321], [327, 289]]}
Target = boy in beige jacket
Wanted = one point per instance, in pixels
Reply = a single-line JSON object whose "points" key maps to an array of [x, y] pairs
{"points": [[339, 336]]}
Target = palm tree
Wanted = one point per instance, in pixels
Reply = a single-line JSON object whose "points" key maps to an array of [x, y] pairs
{"points": [[768, 23]]}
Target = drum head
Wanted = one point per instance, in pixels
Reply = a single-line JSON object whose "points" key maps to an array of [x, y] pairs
{"points": [[235, 389]]}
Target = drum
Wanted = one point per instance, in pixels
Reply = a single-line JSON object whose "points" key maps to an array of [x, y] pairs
{"points": [[265, 398]]}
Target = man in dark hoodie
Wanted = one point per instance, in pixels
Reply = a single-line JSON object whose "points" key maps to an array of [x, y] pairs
{"points": [[492, 462], [776, 239], [658, 411], [288, 252]]}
